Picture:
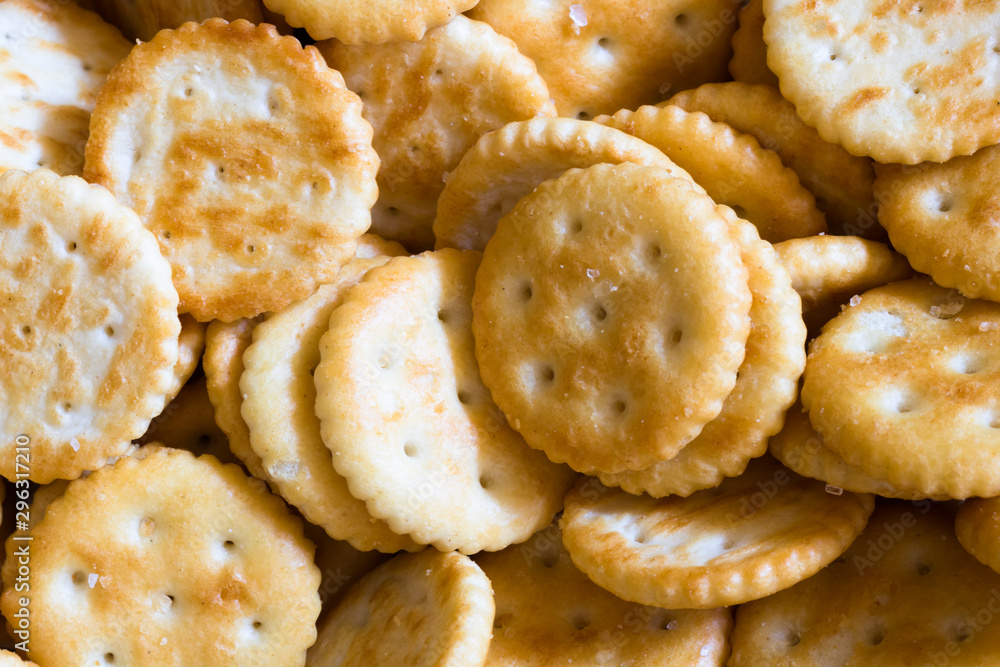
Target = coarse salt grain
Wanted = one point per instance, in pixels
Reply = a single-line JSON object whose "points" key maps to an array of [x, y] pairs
{"points": [[92, 579], [855, 300], [75, 444], [578, 15]]}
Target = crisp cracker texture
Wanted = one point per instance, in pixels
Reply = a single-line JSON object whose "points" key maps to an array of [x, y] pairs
{"points": [[245, 155], [905, 384], [428, 103], [8, 659], [749, 63], [733, 168], [905, 593], [89, 328], [369, 21], [977, 526], [412, 427], [225, 343], [168, 560], [766, 385], [509, 163], [190, 346], [827, 271], [749, 537], [422, 609], [799, 447], [841, 182], [188, 422], [279, 408], [944, 218], [607, 55], [549, 613], [900, 81], [611, 316], [142, 19], [54, 58]]}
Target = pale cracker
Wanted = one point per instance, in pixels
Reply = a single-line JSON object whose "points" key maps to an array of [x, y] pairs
{"points": [[799, 447], [944, 218], [223, 366], [611, 316], [732, 167], [904, 594], [410, 423], [118, 566], [142, 19], [766, 385], [369, 21], [89, 329], [371, 246], [549, 613], [54, 57], [749, 63], [896, 81], [190, 345], [749, 537], [905, 384], [245, 155], [9, 659], [841, 182], [279, 408], [428, 103], [827, 271], [188, 422], [607, 55], [509, 163], [423, 609], [977, 526]]}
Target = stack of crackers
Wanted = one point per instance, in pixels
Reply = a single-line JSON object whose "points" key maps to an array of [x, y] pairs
{"points": [[459, 332]]}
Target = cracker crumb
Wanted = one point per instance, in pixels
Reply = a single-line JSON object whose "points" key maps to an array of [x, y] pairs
{"points": [[834, 490], [578, 15], [705, 650], [855, 300], [92, 579], [163, 641], [987, 326], [672, 625]]}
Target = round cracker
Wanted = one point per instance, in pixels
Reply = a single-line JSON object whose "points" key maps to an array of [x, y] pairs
{"points": [[900, 82], [54, 58], [905, 384], [245, 155], [905, 593], [421, 609], [507, 164], [279, 408], [89, 328], [766, 385], [827, 271], [977, 526], [429, 102], [749, 63], [225, 344], [410, 423], [841, 182], [124, 573], [733, 168], [943, 217], [749, 537], [8, 659], [607, 55], [368, 21], [609, 326], [188, 422], [550, 613], [799, 447], [371, 246]]}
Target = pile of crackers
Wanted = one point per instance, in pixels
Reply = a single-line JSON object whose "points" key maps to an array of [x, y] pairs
{"points": [[458, 332]]}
